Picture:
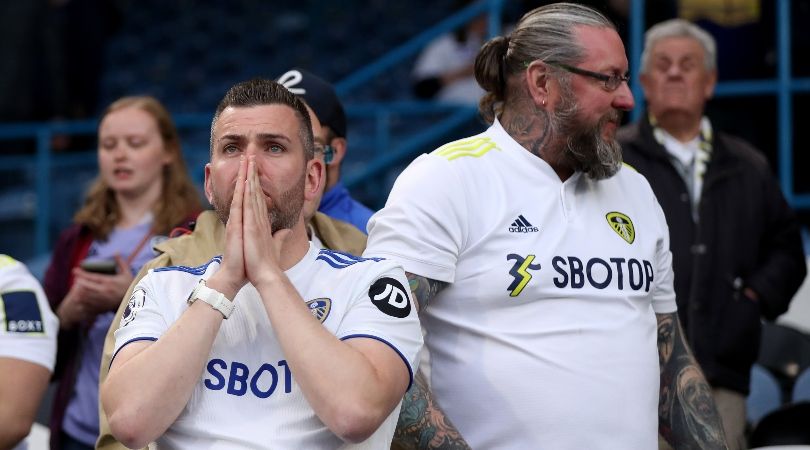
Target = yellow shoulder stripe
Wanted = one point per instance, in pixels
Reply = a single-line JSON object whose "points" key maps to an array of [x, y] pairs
{"points": [[7, 261], [474, 147], [629, 166]]}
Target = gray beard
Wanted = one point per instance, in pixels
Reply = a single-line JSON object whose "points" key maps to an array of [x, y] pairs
{"points": [[584, 148]]}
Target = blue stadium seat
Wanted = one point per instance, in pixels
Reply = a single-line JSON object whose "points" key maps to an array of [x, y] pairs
{"points": [[765, 395], [801, 389]]}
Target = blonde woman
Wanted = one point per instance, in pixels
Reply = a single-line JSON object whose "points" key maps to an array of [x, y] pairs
{"points": [[142, 192]]}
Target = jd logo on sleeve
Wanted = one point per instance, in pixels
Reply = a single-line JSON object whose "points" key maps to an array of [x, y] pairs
{"points": [[390, 297]]}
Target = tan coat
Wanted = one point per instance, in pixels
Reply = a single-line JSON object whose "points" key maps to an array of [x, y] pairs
{"points": [[196, 249]]}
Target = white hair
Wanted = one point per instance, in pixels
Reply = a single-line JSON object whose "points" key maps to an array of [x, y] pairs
{"points": [[679, 28]]}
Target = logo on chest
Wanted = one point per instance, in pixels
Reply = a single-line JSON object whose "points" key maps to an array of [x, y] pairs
{"points": [[521, 225], [520, 271], [622, 225], [320, 308], [576, 273]]}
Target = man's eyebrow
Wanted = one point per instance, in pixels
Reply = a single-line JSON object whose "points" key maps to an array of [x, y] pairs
{"points": [[261, 137], [231, 137], [273, 137]]}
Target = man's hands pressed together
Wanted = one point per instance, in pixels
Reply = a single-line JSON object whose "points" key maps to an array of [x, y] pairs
{"points": [[231, 275], [260, 175], [252, 251], [263, 253]]}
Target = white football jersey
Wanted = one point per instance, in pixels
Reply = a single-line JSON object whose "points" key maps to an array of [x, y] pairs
{"points": [[247, 396], [546, 335], [28, 327]]}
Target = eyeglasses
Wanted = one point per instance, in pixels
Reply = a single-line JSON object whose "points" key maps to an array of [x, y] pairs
{"points": [[327, 150], [612, 82]]}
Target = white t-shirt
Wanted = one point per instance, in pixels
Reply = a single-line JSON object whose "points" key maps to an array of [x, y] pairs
{"points": [[546, 336], [28, 327], [247, 397]]}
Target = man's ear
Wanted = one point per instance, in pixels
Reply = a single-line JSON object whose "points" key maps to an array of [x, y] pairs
{"points": [[209, 190], [537, 82], [315, 178], [339, 145]]}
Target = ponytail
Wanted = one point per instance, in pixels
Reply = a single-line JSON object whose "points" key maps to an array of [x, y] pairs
{"points": [[547, 34], [489, 72]]}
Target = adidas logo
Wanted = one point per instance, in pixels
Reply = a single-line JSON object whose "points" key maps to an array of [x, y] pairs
{"points": [[521, 225]]}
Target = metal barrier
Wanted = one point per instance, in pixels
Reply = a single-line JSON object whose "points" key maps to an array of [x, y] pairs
{"points": [[493, 7], [44, 163], [381, 113]]}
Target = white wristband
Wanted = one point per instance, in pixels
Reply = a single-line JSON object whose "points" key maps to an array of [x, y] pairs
{"points": [[216, 299]]}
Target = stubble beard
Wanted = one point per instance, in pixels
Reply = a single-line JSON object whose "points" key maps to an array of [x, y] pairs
{"points": [[283, 214], [583, 147]]}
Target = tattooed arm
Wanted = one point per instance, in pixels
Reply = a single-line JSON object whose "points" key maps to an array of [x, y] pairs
{"points": [[688, 418], [422, 424], [423, 289]]}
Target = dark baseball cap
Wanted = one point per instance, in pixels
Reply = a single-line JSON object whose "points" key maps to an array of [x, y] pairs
{"points": [[319, 95]]}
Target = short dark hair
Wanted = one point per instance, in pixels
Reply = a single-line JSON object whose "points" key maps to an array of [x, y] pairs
{"points": [[259, 92]]}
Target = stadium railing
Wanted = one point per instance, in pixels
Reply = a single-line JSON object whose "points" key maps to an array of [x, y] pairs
{"points": [[388, 150]]}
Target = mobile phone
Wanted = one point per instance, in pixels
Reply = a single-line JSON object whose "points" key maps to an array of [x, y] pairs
{"points": [[103, 266]]}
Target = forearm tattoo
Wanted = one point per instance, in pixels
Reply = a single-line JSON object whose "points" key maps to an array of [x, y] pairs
{"points": [[422, 424], [423, 289], [687, 415]]}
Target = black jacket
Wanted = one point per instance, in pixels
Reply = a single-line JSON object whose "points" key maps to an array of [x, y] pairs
{"points": [[746, 236]]}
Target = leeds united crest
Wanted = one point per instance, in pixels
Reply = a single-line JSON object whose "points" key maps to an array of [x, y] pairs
{"points": [[622, 225], [320, 308]]}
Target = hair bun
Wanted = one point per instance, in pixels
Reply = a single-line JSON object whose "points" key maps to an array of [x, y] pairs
{"points": [[490, 73]]}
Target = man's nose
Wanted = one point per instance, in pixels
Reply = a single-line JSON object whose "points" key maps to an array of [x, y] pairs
{"points": [[254, 148], [674, 71], [623, 98], [257, 150]]}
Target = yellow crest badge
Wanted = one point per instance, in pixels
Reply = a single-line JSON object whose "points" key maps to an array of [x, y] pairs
{"points": [[622, 225], [320, 308]]}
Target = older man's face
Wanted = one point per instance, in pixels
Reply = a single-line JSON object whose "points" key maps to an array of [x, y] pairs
{"points": [[676, 80]]}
